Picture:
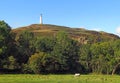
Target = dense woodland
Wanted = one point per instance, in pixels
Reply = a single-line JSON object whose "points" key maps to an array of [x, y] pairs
{"points": [[27, 53]]}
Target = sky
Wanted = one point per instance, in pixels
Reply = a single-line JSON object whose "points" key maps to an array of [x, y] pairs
{"points": [[100, 15]]}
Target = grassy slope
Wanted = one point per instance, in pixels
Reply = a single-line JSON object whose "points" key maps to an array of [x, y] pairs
{"points": [[75, 33], [59, 79]]}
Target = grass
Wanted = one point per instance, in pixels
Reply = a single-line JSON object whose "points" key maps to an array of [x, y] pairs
{"points": [[58, 79], [49, 30]]}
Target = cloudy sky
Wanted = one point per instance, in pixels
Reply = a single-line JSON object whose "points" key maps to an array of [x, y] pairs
{"points": [[100, 15]]}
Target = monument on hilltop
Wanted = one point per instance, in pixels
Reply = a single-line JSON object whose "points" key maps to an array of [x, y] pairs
{"points": [[41, 20]]}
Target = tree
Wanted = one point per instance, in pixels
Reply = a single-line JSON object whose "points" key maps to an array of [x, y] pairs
{"points": [[66, 52], [36, 62], [116, 61], [26, 46], [102, 57], [45, 44], [5, 40], [4, 37], [4, 29], [12, 63], [85, 57]]}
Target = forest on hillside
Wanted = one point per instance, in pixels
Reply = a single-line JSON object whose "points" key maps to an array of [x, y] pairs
{"points": [[58, 54]]}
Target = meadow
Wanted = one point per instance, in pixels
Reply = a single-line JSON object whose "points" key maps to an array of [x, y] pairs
{"points": [[26, 78]]}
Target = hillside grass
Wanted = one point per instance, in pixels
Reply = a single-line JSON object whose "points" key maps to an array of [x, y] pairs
{"points": [[75, 33], [26, 78]]}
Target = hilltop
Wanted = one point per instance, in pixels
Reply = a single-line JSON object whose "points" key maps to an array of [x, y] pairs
{"points": [[80, 34]]}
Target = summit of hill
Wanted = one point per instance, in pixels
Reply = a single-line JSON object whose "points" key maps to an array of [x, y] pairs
{"points": [[82, 35]]}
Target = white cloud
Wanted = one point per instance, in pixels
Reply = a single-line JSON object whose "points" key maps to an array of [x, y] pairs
{"points": [[118, 30]]}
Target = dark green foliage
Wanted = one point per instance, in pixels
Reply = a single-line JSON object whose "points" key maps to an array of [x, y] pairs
{"points": [[85, 57], [4, 42], [62, 55], [4, 37], [11, 63], [45, 44], [102, 55], [25, 46], [66, 52], [7, 48], [4, 29], [59, 53], [37, 62], [26, 69]]}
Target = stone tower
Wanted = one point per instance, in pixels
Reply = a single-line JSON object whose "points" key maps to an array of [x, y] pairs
{"points": [[41, 20]]}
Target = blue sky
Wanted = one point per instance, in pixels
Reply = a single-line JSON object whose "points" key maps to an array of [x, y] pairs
{"points": [[103, 15]]}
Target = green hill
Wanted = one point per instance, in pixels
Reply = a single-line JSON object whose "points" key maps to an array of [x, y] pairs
{"points": [[80, 34]]}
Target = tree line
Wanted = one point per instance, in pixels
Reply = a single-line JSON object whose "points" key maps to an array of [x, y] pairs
{"points": [[28, 53]]}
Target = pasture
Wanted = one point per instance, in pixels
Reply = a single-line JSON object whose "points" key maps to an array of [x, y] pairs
{"points": [[26, 78]]}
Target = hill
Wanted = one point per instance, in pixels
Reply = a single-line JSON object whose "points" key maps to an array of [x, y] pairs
{"points": [[80, 34]]}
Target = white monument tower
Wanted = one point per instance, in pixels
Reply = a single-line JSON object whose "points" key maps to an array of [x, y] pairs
{"points": [[41, 21]]}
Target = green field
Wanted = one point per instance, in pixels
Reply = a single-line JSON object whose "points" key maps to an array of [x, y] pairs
{"points": [[59, 79]]}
